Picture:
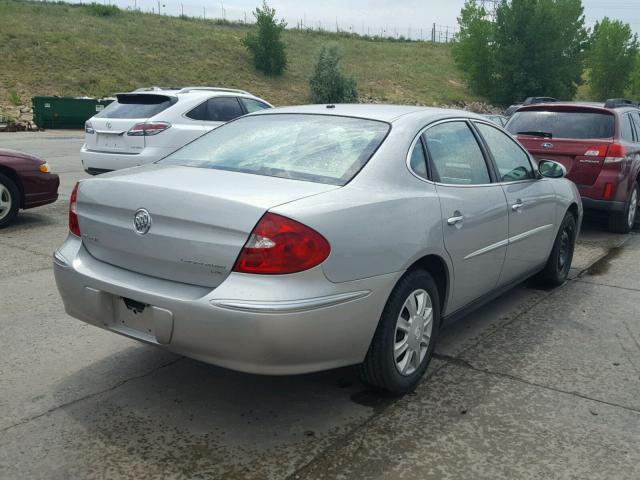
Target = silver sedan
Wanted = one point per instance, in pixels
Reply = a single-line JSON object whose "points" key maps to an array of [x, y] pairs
{"points": [[308, 238]]}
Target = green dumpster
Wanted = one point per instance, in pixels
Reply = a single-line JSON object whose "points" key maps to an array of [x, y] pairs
{"points": [[65, 112]]}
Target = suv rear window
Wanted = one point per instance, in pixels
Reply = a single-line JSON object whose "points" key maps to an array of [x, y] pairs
{"points": [[317, 148], [562, 124], [137, 106]]}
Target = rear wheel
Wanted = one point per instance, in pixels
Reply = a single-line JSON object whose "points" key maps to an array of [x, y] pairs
{"points": [[403, 344], [9, 200], [558, 265], [623, 222]]}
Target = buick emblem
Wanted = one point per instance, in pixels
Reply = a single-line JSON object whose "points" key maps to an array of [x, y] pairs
{"points": [[109, 125], [141, 221], [547, 145]]}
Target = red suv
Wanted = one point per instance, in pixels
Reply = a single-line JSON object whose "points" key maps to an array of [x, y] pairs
{"points": [[599, 145]]}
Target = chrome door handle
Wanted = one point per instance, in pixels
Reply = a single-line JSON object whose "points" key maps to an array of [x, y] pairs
{"points": [[517, 206], [455, 220]]}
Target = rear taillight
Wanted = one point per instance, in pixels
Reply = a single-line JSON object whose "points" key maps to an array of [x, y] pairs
{"points": [[616, 153], [146, 129], [88, 128], [596, 151], [74, 227], [279, 245]]}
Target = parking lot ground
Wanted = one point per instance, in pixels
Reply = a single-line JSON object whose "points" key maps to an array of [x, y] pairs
{"points": [[537, 384]]}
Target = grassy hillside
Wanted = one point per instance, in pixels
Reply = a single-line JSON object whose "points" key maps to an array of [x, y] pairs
{"points": [[58, 49]]}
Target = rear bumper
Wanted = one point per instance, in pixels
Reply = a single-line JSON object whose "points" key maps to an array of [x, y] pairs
{"points": [[103, 161], [277, 325], [603, 205]]}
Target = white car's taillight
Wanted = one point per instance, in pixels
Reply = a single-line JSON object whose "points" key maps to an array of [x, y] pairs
{"points": [[88, 128], [74, 227], [279, 245], [146, 129]]}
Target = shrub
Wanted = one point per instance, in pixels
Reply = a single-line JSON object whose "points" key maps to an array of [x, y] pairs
{"points": [[100, 10], [328, 84], [15, 99], [266, 45]]}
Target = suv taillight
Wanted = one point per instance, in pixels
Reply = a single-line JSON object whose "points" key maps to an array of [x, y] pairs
{"points": [[146, 129], [88, 128], [616, 153], [279, 245], [74, 227]]}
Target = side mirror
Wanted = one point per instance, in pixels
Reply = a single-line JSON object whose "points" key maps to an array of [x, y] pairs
{"points": [[551, 169]]}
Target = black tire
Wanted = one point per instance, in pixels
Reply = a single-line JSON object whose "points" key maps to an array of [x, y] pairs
{"points": [[556, 271], [8, 193], [622, 222], [379, 368]]}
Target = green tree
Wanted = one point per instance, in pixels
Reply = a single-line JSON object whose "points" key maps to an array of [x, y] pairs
{"points": [[266, 45], [472, 51], [534, 48], [612, 56], [328, 83], [634, 87]]}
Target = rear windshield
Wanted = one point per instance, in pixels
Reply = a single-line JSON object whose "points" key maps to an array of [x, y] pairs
{"points": [[561, 124], [136, 106], [316, 148]]}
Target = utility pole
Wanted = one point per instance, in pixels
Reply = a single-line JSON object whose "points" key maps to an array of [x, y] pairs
{"points": [[204, 13], [159, 13]]}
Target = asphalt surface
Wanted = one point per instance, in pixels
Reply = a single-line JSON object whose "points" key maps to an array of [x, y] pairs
{"points": [[538, 384]]}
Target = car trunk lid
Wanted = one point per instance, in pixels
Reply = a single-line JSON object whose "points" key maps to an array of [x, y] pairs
{"points": [[200, 218], [113, 123], [583, 159]]}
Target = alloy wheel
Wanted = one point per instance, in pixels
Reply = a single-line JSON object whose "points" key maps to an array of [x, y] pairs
{"points": [[413, 332], [6, 201]]}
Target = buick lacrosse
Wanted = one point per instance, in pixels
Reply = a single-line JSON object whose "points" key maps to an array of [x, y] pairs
{"points": [[307, 238]]}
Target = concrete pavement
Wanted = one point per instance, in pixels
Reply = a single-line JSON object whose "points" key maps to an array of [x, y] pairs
{"points": [[538, 384]]}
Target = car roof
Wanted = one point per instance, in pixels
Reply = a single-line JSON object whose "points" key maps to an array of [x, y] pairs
{"points": [[190, 92], [569, 105], [382, 112]]}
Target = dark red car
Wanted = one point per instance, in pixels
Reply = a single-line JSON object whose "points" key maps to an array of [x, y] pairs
{"points": [[598, 144], [25, 182]]}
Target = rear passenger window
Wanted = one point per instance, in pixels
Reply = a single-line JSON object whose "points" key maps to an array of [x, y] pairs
{"points": [[455, 155], [198, 113], [418, 160], [253, 105], [626, 129], [223, 109], [635, 116], [512, 162]]}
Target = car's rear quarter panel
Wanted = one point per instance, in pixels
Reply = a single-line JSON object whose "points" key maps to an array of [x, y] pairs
{"points": [[382, 221]]}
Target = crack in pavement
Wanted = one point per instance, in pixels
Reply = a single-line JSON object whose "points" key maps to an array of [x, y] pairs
{"points": [[351, 436], [90, 395], [600, 284], [465, 364]]}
